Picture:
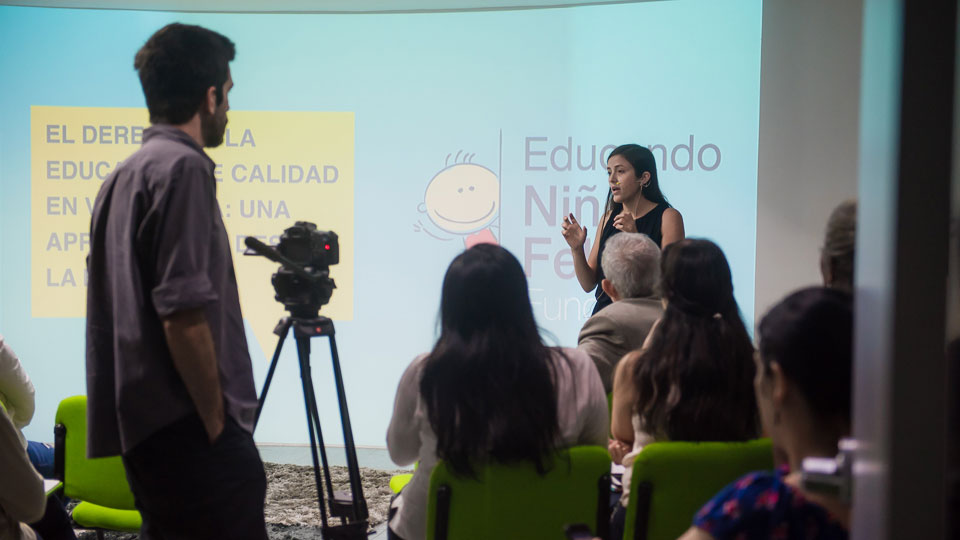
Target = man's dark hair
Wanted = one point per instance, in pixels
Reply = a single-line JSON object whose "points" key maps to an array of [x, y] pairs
{"points": [[177, 65]]}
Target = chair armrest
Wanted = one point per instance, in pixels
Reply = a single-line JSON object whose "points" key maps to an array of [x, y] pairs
{"points": [[603, 506], [643, 494], [443, 513], [59, 450], [51, 487]]}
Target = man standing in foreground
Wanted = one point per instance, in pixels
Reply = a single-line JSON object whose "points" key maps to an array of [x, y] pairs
{"points": [[169, 378]]}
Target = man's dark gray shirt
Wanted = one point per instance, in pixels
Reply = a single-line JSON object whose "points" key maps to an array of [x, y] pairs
{"points": [[157, 247]]}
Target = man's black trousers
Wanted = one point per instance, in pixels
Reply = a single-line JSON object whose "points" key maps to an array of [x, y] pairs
{"points": [[188, 488]]}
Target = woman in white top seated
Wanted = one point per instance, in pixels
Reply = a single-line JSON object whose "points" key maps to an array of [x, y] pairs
{"points": [[490, 390]]}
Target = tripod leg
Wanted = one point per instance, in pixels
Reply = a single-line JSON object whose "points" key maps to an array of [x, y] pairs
{"points": [[282, 332], [353, 467], [310, 394], [303, 353]]}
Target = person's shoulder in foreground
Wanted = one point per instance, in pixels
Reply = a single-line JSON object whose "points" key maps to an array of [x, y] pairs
{"points": [[21, 489], [763, 505]]}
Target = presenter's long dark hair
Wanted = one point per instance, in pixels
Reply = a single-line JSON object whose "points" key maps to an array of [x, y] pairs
{"points": [[642, 160], [695, 378], [489, 383]]}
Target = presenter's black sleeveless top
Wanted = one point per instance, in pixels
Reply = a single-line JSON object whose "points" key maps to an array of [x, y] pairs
{"points": [[648, 224]]}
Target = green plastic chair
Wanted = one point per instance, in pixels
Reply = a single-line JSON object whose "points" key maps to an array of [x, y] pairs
{"points": [[513, 501], [400, 481], [99, 484], [672, 480]]}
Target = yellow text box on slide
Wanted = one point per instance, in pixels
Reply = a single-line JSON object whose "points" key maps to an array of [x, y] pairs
{"points": [[274, 168]]}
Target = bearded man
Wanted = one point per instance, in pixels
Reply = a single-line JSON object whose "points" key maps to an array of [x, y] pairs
{"points": [[169, 378]]}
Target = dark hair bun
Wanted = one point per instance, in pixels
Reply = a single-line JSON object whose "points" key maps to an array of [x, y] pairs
{"points": [[810, 334]]}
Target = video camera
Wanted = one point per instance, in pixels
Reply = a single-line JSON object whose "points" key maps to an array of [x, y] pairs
{"points": [[303, 282]]}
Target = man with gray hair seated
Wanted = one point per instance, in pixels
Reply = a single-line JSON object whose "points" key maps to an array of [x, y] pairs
{"points": [[631, 264]]}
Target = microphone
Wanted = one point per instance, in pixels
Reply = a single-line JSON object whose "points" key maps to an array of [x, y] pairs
{"points": [[260, 248], [271, 253]]}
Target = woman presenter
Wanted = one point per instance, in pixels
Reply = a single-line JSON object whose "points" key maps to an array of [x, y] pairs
{"points": [[634, 204]]}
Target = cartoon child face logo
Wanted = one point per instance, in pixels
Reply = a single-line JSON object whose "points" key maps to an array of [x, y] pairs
{"points": [[463, 198]]}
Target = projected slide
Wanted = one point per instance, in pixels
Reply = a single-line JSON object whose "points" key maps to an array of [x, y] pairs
{"points": [[412, 136], [273, 168]]}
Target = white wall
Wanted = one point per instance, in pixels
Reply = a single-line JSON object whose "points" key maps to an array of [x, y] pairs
{"points": [[809, 123]]}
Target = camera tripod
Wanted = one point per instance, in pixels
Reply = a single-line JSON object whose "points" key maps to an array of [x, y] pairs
{"points": [[350, 507]]}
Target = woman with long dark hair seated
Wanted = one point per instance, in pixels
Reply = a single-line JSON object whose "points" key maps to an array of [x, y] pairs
{"points": [[490, 390], [693, 378], [803, 388]]}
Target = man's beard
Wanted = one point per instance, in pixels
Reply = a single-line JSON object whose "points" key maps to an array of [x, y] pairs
{"points": [[212, 127]]}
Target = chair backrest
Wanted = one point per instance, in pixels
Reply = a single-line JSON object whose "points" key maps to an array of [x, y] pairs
{"points": [[102, 481], [672, 480], [513, 501]]}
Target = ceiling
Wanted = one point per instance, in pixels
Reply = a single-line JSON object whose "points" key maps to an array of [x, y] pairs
{"points": [[310, 6]]}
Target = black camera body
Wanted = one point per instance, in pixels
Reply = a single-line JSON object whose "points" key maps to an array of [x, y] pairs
{"points": [[308, 247], [314, 251]]}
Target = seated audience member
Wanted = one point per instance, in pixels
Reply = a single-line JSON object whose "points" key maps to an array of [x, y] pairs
{"points": [[21, 487], [693, 378], [17, 397], [16, 390], [803, 391], [631, 266], [836, 257], [490, 390]]}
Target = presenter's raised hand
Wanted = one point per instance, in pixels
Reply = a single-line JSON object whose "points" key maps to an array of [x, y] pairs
{"points": [[625, 221], [573, 233]]}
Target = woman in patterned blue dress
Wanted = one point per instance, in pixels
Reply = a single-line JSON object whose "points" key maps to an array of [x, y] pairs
{"points": [[803, 392]]}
